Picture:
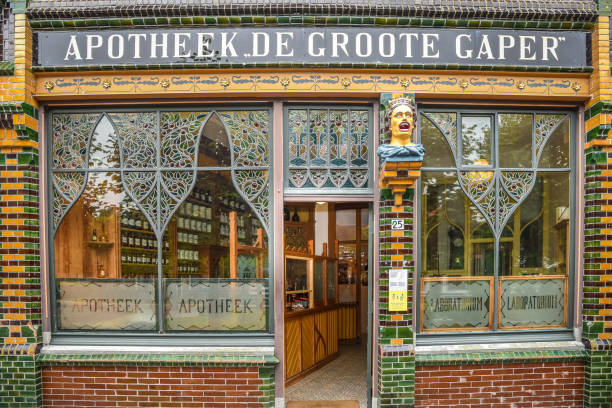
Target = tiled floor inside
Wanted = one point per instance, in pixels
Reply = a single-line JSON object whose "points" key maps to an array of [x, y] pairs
{"points": [[342, 379]]}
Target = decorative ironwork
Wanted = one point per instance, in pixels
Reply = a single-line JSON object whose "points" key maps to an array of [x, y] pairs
{"points": [[71, 137], [545, 125], [139, 183], [249, 131], [476, 184], [249, 139], [328, 148], [518, 183], [497, 194], [137, 138], [446, 122], [251, 182], [179, 137]]}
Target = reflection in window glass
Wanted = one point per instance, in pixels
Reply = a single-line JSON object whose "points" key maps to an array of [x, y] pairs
{"points": [[476, 140], [555, 153], [98, 289], [345, 225], [436, 146], [443, 225], [515, 131]]}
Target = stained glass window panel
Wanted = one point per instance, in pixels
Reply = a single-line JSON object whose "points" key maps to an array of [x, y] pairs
{"points": [[327, 149]]}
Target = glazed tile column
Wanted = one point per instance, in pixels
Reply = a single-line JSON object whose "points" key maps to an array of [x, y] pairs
{"points": [[597, 274], [20, 294], [396, 360]]}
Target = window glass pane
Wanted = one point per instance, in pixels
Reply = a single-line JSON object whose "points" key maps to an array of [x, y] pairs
{"points": [[218, 260], [332, 279], [515, 140], [534, 293], [138, 244], [96, 289], [476, 140], [345, 225], [443, 225], [438, 152], [457, 258], [319, 281], [556, 151], [365, 228], [104, 149], [214, 149], [296, 284], [544, 246]]}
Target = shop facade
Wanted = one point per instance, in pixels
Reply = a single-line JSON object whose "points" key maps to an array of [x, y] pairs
{"points": [[201, 204]]}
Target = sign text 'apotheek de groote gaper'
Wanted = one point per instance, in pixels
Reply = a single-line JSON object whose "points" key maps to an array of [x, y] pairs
{"points": [[364, 45]]}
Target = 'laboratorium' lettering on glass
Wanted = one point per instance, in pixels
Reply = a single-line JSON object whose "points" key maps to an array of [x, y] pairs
{"points": [[456, 304], [532, 302], [242, 45], [93, 304], [207, 304]]}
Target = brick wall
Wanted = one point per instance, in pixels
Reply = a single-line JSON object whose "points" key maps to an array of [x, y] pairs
{"points": [[597, 281], [157, 386], [516, 385]]}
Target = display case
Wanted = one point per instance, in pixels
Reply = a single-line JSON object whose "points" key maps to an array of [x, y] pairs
{"points": [[298, 283]]}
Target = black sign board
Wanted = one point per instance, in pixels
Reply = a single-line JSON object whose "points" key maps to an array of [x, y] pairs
{"points": [[311, 45]]}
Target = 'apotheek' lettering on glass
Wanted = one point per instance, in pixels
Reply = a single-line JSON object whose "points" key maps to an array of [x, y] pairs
{"points": [[399, 46]]}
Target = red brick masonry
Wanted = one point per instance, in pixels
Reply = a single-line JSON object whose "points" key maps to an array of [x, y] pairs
{"points": [[145, 386], [557, 385]]}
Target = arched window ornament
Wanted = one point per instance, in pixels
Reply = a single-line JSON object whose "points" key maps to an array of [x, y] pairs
{"points": [[158, 157], [497, 194], [249, 140], [67, 187], [545, 125], [71, 139]]}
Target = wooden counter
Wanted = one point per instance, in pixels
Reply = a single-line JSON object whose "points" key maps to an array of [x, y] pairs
{"points": [[311, 340]]}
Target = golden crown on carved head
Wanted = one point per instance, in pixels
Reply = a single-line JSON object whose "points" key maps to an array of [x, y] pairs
{"points": [[394, 103]]}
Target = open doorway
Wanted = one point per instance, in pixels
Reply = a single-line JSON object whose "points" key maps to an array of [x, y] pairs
{"points": [[327, 259]]}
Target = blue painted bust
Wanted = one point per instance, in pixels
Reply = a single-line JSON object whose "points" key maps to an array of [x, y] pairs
{"points": [[401, 125]]}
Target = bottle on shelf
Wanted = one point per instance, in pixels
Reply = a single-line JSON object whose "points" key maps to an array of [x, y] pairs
{"points": [[296, 217], [101, 272], [94, 235]]}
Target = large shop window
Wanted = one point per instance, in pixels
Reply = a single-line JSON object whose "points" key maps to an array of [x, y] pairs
{"points": [[160, 220], [496, 220]]}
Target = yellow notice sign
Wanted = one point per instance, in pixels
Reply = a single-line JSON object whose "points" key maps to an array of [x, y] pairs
{"points": [[398, 290], [398, 300]]}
